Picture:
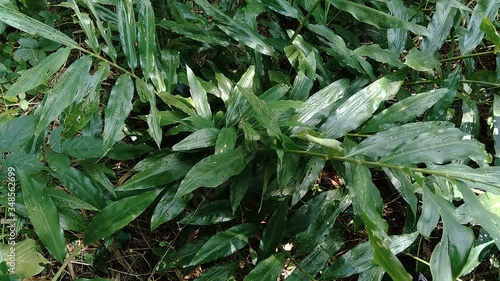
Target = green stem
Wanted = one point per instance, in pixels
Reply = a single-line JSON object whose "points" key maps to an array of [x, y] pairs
{"points": [[67, 261], [386, 165], [296, 263], [492, 84], [462, 57], [417, 259], [101, 58], [298, 29], [358, 135]]}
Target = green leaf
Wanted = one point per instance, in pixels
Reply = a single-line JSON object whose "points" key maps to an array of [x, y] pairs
{"points": [[239, 31], [315, 108], [485, 178], [381, 55], [28, 260], [440, 109], [63, 200], [180, 256], [313, 169], [220, 272], [239, 187], [397, 37], [421, 61], [439, 27], [475, 257], [211, 213], [366, 194], [105, 32], [262, 112], [491, 33], [225, 243], [268, 269], [75, 181], [474, 34], [162, 171], [128, 31], [360, 106], [200, 139], [39, 74], [28, 163], [496, 128], [403, 111], [83, 147], [117, 215], [63, 93], [44, 216], [196, 32], [226, 140], [282, 7], [146, 37], [118, 108], [29, 25], [403, 185], [274, 231], [214, 170], [488, 220], [127, 151], [375, 17], [87, 25], [169, 207], [15, 133], [440, 261], [199, 95]]}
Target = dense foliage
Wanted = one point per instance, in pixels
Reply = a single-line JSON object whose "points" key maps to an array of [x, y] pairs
{"points": [[260, 139]]}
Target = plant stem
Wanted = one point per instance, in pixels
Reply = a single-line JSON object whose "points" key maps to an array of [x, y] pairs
{"points": [[492, 84], [462, 57], [387, 165], [101, 58], [67, 261], [417, 258], [296, 263]]}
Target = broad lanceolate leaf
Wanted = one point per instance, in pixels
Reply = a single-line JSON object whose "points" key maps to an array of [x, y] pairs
{"points": [[381, 55], [240, 31], [146, 37], [220, 272], [421, 61], [401, 181], [62, 94], [439, 27], [496, 128], [397, 37], [199, 95], [161, 172], [214, 170], [491, 33], [275, 229], [375, 17], [169, 207], [225, 243], [117, 110], [15, 133], [365, 192], [83, 147], [317, 106], [482, 216], [360, 106], [226, 140], [40, 73], [117, 215], [27, 24], [403, 111], [29, 262], [474, 34], [262, 112], [312, 171], [127, 29], [44, 216], [268, 269], [199, 139], [282, 7], [211, 213], [485, 178], [86, 24]]}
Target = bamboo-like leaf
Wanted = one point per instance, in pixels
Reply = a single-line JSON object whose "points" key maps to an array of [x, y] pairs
{"points": [[146, 36], [366, 192], [161, 172], [440, 261], [117, 110], [62, 94], [220, 272], [128, 31], [496, 128], [397, 37], [225, 243], [199, 95], [226, 140], [375, 52], [261, 111], [211, 213], [169, 207], [403, 111], [196, 32], [491, 33], [29, 25], [240, 31], [117, 215], [375, 17], [83, 147], [87, 25], [15, 133], [199, 139], [360, 106], [214, 170], [282, 7], [268, 269], [439, 27], [313, 169], [105, 33], [275, 229], [44, 216], [40, 73], [422, 61], [474, 34], [439, 110]]}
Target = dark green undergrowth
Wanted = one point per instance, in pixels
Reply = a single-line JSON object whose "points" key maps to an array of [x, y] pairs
{"points": [[250, 140]]}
